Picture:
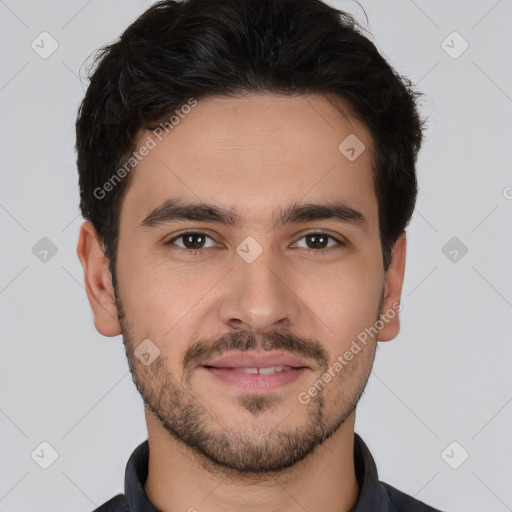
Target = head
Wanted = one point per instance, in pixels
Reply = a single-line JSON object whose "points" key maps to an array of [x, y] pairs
{"points": [[247, 172]]}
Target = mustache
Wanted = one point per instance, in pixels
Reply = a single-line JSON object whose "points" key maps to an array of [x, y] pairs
{"points": [[279, 339]]}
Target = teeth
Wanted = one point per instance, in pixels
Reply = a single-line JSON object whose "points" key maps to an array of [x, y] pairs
{"points": [[272, 369], [266, 371], [249, 370]]}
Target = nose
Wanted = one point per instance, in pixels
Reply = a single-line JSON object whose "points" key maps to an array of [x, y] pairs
{"points": [[259, 296]]}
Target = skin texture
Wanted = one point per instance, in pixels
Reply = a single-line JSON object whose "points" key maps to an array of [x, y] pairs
{"points": [[214, 446]]}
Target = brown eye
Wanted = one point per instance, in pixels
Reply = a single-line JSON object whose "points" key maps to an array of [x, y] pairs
{"points": [[192, 241], [318, 242]]}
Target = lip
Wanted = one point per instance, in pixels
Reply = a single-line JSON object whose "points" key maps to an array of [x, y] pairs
{"points": [[258, 360], [255, 382]]}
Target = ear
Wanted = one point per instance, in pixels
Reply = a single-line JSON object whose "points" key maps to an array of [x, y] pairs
{"points": [[393, 291], [98, 281]]}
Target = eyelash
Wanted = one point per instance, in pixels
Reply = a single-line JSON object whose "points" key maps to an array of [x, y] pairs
{"points": [[200, 252]]}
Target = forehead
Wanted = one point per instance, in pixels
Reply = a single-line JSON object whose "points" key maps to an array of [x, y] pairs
{"points": [[255, 153]]}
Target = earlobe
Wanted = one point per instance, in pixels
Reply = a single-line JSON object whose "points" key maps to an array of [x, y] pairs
{"points": [[393, 291], [98, 281]]}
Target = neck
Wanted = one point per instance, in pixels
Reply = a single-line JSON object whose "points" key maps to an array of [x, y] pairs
{"points": [[178, 480]]}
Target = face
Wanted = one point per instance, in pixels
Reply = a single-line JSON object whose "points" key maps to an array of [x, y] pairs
{"points": [[248, 303]]}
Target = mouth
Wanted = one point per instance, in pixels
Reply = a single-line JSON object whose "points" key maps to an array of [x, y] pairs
{"points": [[269, 370], [257, 371], [258, 359]]}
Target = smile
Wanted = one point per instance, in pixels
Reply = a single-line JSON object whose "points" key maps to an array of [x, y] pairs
{"points": [[260, 371], [256, 378]]}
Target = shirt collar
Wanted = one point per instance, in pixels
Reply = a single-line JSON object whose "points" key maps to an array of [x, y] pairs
{"points": [[372, 495]]}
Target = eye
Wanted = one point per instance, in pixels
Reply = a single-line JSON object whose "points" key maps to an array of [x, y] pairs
{"points": [[193, 241], [318, 242]]}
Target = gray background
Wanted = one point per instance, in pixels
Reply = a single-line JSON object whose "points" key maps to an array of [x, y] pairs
{"points": [[445, 378]]}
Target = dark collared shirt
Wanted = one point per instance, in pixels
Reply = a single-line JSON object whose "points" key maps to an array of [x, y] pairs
{"points": [[374, 496]]}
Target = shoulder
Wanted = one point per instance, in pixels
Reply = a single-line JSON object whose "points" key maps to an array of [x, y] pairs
{"points": [[404, 503], [116, 504]]}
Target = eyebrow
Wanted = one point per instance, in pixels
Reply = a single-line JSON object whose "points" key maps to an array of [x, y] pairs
{"points": [[174, 210]]}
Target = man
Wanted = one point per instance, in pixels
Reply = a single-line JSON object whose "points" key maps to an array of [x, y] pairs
{"points": [[247, 171]]}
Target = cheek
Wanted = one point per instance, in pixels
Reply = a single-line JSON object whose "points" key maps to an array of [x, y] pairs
{"points": [[153, 287], [348, 300], [165, 302]]}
